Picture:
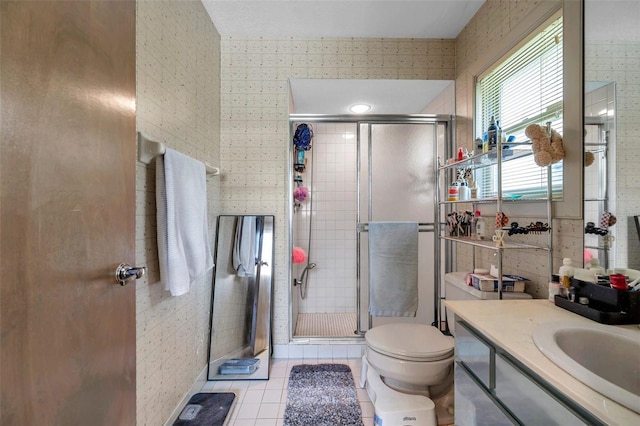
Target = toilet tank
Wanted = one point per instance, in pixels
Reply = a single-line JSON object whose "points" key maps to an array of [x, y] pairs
{"points": [[455, 288]]}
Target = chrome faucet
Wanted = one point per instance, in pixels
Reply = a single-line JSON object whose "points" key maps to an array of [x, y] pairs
{"points": [[299, 281]]}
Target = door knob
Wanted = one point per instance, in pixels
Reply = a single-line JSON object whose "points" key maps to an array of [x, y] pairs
{"points": [[126, 273]]}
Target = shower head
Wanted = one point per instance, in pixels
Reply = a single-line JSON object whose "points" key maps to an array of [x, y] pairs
{"points": [[311, 266]]}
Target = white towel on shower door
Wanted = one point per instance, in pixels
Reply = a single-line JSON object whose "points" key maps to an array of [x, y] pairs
{"points": [[393, 269], [181, 203]]}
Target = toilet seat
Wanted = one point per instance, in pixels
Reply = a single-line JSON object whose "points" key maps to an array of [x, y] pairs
{"points": [[410, 342]]}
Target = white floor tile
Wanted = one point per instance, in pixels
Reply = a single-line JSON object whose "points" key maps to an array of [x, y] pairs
{"points": [[277, 383], [263, 402], [253, 396], [273, 396], [248, 411], [268, 411]]}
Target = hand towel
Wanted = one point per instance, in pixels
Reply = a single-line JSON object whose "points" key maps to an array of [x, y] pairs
{"points": [[244, 247], [181, 201], [393, 269]]}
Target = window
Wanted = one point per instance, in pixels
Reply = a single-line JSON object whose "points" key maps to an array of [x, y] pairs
{"points": [[524, 89]]}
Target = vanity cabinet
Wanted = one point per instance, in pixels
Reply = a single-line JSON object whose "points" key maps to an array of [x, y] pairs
{"points": [[491, 387]]}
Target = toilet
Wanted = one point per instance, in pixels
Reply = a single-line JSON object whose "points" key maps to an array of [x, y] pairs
{"points": [[407, 368]]}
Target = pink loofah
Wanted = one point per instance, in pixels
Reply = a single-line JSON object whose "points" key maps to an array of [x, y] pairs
{"points": [[301, 193], [587, 256], [299, 255]]}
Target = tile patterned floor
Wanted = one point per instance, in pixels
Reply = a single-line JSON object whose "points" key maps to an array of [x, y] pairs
{"points": [[262, 402]]}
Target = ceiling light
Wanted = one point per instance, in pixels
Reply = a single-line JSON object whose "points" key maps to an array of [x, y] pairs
{"points": [[359, 108]]}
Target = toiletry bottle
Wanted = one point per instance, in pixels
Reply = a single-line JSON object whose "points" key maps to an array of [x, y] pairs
{"points": [[499, 134], [454, 192], [492, 134], [464, 193], [473, 190], [480, 226], [566, 272], [478, 146]]}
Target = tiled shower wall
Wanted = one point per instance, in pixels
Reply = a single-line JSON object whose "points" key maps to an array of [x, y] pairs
{"points": [[617, 61], [254, 117], [477, 46], [178, 98], [333, 185]]}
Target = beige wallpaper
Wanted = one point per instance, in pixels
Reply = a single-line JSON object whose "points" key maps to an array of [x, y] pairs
{"points": [[255, 108], [178, 103]]}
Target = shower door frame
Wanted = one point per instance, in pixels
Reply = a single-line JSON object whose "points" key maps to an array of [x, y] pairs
{"points": [[368, 119]]}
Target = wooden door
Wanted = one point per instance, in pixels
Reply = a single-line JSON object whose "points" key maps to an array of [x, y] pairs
{"points": [[67, 174]]}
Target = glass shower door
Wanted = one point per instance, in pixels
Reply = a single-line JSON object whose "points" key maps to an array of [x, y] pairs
{"points": [[397, 183]]}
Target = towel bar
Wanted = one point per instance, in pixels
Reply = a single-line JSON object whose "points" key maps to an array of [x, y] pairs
{"points": [[148, 150]]}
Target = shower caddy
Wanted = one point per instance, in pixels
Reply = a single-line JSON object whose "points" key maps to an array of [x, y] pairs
{"points": [[444, 206]]}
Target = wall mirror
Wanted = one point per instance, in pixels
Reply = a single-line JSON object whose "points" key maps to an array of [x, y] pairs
{"points": [[612, 126], [240, 340]]}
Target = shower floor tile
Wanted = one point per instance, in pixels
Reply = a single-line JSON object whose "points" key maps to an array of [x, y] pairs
{"points": [[326, 325]]}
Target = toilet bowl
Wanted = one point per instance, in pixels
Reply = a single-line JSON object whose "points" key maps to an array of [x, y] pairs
{"points": [[407, 368], [407, 361]]}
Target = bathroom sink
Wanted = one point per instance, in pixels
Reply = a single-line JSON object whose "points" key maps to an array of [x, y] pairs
{"points": [[605, 358]]}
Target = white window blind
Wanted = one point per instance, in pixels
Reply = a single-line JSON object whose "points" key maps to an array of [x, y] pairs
{"points": [[524, 89]]}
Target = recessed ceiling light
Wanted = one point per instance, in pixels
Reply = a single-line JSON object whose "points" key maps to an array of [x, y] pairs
{"points": [[359, 108]]}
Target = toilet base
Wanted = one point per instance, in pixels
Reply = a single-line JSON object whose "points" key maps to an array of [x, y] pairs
{"points": [[393, 408]]}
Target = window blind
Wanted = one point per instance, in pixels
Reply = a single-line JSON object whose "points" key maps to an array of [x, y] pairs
{"points": [[524, 89]]}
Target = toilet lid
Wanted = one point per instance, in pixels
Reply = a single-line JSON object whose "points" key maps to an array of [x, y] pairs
{"points": [[412, 342]]}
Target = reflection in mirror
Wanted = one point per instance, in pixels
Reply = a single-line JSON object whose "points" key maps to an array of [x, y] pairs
{"points": [[612, 127], [241, 299], [599, 189]]}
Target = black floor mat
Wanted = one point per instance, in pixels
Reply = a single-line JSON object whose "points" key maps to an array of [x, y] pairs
{"points": [[214, 411]]}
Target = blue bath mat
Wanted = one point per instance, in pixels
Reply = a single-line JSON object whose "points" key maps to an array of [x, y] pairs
{"points": [[206, 409], [322, 395]]}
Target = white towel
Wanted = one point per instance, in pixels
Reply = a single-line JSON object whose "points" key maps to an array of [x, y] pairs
{"points": [[181, 201], [244, 247], [393, 269]]}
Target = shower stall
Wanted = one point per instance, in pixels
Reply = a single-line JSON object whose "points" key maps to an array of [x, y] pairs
{"points": [[358, 169]]}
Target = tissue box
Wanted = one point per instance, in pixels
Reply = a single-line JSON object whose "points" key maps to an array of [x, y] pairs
{"points": [[486, 282]]}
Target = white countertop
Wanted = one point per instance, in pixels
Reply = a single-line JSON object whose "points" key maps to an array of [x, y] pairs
{"points": [[510, 324]]}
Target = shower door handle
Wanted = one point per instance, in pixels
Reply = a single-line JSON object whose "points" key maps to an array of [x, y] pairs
{"points": [[126, 273]]}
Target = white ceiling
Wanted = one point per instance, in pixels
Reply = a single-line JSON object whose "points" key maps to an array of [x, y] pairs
{"points": [[337, 18], [333, 96], [351, 18]]}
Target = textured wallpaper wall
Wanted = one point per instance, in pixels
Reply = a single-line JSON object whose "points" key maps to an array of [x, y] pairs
{"points": [[254, 117], [178, 101]]}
